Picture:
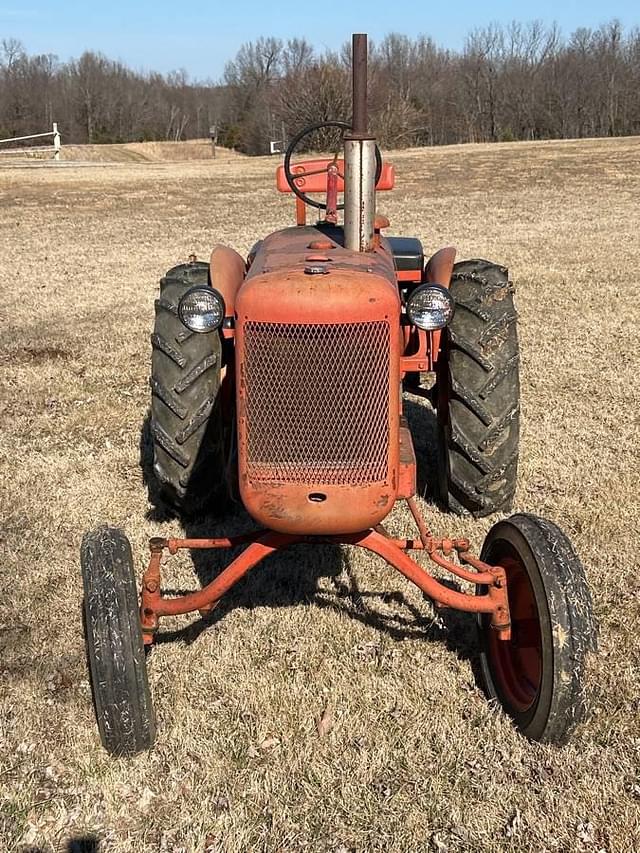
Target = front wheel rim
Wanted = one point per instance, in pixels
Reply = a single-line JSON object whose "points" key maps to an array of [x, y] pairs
{"points": [[516, 664]]}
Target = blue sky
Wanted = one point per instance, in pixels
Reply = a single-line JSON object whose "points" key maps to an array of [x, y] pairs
{"points": [[200, 36]]}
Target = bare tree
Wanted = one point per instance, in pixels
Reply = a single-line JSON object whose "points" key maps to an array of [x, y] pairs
{"points": [[523, 81]]}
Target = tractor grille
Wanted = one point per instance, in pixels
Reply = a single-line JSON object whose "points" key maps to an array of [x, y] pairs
{"points": [[317, 402]]}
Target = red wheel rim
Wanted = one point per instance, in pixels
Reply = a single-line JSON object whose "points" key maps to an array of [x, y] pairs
{"points": [[516, 664]]}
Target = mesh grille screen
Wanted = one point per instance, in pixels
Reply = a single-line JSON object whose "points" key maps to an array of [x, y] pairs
{"points": [[317, 402]]}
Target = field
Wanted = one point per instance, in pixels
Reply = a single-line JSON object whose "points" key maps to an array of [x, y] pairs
{"points": [[128, 152], [410, 756]]}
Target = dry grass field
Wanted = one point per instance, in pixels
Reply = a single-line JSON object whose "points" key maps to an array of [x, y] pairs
{"points": [[128, 152], [413, 758], [145, 152]]}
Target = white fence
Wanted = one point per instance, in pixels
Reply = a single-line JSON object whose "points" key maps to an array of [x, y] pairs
{"points": [[54, 146]]}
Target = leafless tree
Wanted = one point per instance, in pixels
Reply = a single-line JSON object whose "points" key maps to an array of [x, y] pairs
{"points": [[523, 81]]}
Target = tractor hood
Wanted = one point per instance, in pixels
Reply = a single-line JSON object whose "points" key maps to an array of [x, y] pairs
{"points": [[317, 367]]}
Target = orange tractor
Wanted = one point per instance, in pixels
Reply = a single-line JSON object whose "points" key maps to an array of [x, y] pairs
{"points": [[279, 381]]}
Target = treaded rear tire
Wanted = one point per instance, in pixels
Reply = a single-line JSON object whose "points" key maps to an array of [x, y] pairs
{"points": [[478, 393], [117, 664], [186, 419]]}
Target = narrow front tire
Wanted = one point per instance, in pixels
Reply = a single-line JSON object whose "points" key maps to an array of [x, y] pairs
{"points": [[538, 676], [117, 664]]}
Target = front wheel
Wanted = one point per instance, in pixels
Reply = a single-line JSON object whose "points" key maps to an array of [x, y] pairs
{"points": [[117, 664], [538, 675]]}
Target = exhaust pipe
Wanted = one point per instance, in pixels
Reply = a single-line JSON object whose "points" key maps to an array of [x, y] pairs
{"points": [[359, 160]]}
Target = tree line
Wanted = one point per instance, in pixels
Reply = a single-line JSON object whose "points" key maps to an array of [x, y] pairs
{"points": [[522, 81]]}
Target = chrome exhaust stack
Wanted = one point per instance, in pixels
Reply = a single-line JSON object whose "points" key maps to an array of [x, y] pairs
{"points": [[359, 160]]}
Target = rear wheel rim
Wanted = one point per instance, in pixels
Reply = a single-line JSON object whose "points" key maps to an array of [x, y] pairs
{"points": [[516, 664]]}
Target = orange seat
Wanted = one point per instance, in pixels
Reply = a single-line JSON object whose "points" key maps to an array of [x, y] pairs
{"points": [[317, 183]]}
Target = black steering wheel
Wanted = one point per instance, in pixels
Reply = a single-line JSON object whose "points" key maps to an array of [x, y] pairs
{"points": [[291, 177]]}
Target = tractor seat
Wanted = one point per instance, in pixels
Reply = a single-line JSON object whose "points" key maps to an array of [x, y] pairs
{"points": [[317, 183]]}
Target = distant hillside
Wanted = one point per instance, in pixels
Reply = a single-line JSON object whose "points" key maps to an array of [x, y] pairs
{"points": [[146, 152]]}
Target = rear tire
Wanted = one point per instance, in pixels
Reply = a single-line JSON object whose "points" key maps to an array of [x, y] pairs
{"points": [[117, 663], [186, 419], [538, 675], [478, 393]]}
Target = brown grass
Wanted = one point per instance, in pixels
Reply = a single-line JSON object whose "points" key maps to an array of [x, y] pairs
{"points": [[415, 759], [126, 152], [147, 152]]}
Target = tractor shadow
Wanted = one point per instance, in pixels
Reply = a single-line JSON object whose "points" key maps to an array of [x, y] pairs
{"points": [[79, 844], [298, 575], [423, 424]]}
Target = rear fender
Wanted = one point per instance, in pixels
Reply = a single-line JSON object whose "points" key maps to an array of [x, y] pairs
{"points": [[226, 272], [438, 270]]}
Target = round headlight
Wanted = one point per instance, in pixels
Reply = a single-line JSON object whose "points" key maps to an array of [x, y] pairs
{"points": [[201, 309], [430, 307]]}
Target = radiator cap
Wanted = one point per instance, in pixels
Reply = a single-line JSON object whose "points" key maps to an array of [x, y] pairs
{"points": [[316, 269]]}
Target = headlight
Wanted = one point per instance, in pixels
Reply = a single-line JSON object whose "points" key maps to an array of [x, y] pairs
{"points": [[430, 307], [201, 309]]}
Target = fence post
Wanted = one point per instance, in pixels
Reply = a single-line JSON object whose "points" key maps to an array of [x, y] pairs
{"points": [[56, 142], [213, 134]]}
